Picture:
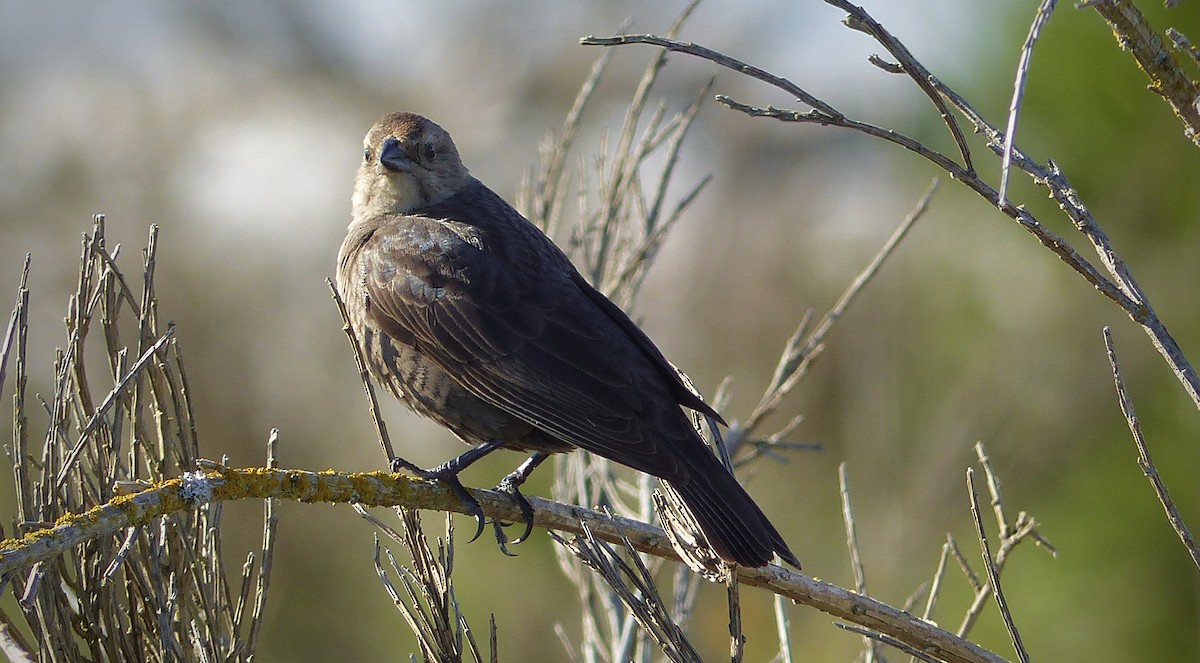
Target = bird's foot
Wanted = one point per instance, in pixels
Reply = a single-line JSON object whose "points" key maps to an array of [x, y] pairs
{"points": [[511, 486], [447, 474]]}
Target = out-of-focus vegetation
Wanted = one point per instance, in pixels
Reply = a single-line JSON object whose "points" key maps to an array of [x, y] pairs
{"points": [[236, 128]]}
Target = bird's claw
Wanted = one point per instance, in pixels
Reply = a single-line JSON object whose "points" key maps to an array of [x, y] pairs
{"points": [[511, 487], [526, 508], [472, 505], [447, 474], [502, 538]]}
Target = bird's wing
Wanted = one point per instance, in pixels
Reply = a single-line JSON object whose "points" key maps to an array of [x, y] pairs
{"points": [[512, 326]]}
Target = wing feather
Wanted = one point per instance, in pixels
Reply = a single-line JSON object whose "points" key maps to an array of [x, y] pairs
{"points": [[523, 337]]}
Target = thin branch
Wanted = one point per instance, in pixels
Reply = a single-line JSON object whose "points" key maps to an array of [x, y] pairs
{"points": [[1135, 34], [875, 637], [795, 360], [782, 628], [363, 374], [719, 58], [382, 489], [965, 566], [1183, 44], [993, 485], [270, 534], [935, 588], [857, 19], [737, 639], [11, 330], [1014, 108], [1166, 77], [856, 564], [993, 573], [1144, 460]]}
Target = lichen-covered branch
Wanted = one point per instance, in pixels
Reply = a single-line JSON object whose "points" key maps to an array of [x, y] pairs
{"points": [[383, 489]]}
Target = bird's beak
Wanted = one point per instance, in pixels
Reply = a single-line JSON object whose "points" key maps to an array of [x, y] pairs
{"points": [[392, 158]]}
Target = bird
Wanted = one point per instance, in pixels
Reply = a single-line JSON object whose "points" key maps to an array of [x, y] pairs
{"points": [[471, 316]]}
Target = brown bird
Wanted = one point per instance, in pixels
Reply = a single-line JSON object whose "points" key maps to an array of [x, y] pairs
{"points": [[472, 317]]}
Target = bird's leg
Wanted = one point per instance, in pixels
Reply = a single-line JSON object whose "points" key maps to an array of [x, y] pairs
{"points": [[447, 473], [511, 484]]}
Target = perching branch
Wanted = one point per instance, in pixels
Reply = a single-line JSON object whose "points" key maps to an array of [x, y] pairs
{"points": [[383, 489]]}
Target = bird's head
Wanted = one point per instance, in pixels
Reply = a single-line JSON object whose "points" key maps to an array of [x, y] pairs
{"points": [[408, 163]]}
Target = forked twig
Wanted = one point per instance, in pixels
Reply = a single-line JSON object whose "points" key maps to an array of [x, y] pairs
{"points": [[1012, 534], [1121, 288]]}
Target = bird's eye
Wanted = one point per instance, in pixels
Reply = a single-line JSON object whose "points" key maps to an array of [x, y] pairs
{"points": [[428, 152], [367, 155]]}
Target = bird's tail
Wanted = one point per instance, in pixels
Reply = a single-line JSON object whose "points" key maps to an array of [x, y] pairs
{"points": [[735, 527]]}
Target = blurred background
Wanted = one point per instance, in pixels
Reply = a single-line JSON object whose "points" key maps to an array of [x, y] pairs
{"points": [[237, 127]]}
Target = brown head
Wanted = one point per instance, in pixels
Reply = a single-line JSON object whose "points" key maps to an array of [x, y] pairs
{"points": [[408, 163]]}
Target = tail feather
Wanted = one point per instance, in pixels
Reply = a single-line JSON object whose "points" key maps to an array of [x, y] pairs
{"points": [[735, 526]]}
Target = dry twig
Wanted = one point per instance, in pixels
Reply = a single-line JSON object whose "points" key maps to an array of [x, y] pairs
{"points": [[992, 572], [1144, 460], [141, 590], [870, 651], [1014, 109], [1121, 288]]}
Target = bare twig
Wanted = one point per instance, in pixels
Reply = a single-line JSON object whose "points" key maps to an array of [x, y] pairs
{"points": [[719, 58], [1014, 108], [634, 585], [1135, 34], [876, 637], [856, 564], [857, 19], [11, 330], [382, 489], [992, 572], [1125, 291], [1183, 44], [1144, 460], [993, 485], [270, 534], [737, 639], [363, 374], [782, 628], [796, 357], [936, 586]]}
